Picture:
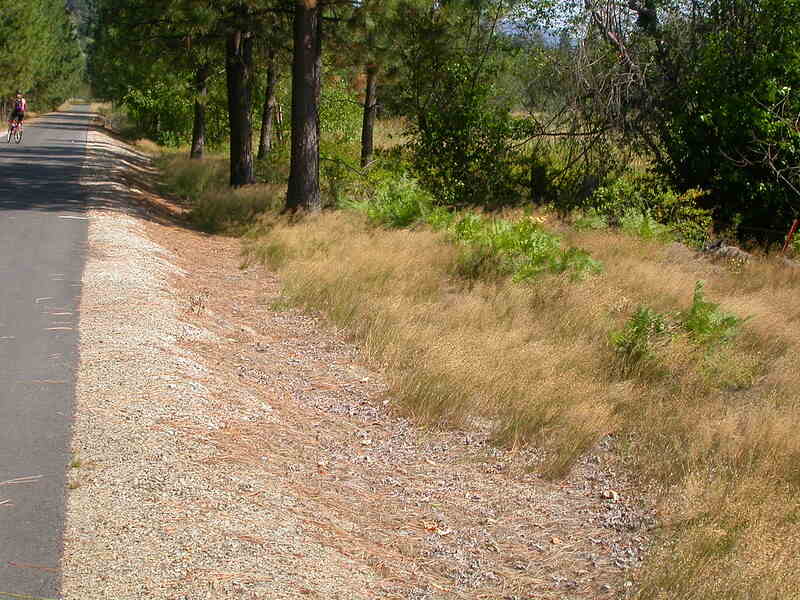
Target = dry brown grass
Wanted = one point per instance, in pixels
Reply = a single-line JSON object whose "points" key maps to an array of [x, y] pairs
{"points": [[203, 186], [389, 133], [711, 432]]}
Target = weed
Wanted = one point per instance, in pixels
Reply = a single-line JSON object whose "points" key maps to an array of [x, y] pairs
{"points": [[522, 249], [634, 343], [706, 323], [641, 224], [398, 202]]}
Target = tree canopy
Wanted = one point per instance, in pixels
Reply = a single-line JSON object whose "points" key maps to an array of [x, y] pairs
{"points": [[40, 51]]}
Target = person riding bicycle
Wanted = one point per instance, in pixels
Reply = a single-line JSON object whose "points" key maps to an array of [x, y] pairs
{"points": [[18, 112]]}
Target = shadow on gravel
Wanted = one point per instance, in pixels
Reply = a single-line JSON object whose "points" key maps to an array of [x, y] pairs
{"points": [[121, 178]]}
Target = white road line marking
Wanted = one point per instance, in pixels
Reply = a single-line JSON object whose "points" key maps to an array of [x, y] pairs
{"points": [[73, 217], [38, 300]]}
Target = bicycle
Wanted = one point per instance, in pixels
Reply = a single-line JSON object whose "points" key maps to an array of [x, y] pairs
{"points": [[14, 132]]}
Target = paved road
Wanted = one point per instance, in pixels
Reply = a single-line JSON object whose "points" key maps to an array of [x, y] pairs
{"points": [[42, 252]]}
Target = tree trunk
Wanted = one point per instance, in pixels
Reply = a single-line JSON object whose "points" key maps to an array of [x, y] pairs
{"points": [[303, 192], [239, 72], [199, 128], [370, 111], [268, 115]]}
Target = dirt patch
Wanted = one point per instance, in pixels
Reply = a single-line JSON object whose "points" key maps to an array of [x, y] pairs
{"points": [[228, 446]]}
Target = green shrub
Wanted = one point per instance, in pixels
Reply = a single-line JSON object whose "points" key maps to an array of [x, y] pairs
{"points": [[634, 343], [522, 249], [795, 245], [706, 323], [397, 202], [461, 143], [642, 225], [490, 247], [643, 204]]}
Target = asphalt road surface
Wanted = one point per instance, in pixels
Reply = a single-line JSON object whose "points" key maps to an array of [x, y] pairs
{"points": [[43, 231]]}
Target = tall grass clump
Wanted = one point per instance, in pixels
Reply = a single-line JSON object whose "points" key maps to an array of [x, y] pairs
{"points": [[214, 207]]}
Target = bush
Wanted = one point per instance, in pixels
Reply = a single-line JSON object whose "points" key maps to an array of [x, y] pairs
{"points": [[706, 323], [644, 205], [397, 202], [642, 225], [634, 343], [522, 249], [461, 147]]}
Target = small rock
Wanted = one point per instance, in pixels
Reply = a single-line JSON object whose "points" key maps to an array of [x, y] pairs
{"points": [[556, 540], [610, 495]]}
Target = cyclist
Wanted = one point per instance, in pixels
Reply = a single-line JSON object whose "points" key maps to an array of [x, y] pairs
{"points": [[18, 112]]}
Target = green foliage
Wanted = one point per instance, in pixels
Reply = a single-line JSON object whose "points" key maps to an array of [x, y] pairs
{"points": [[643, 204], [590, 220], [490, 247], [461, 147], [635, 342], [340, 112], [706, 323], [163, 110], [397, 202], [460, 136], [727, 114], [641, 224], [795, 245], [520, 249], [40, 53]]}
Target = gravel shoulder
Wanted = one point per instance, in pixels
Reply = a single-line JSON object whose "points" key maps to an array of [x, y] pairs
{"points": [[227, 446]]}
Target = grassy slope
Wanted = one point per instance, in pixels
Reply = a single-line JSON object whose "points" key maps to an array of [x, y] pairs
{"points": [[711, 429]]}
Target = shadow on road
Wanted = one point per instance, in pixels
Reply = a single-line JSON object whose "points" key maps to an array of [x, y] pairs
{"points": [[53, 171]]}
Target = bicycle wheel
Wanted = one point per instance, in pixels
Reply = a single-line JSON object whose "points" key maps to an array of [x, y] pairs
{"points": [[10, 134], [18, 135]]}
